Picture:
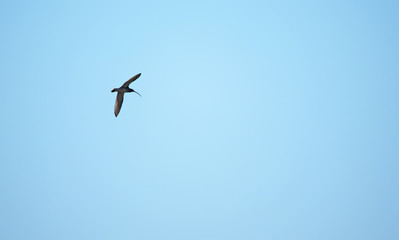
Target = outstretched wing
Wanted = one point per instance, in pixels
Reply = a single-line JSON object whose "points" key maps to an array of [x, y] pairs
{"points": [[118, 103], [128, 82]]}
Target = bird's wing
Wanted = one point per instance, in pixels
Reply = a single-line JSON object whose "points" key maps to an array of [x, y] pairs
{"points": [[118, 103], [128, 82]]}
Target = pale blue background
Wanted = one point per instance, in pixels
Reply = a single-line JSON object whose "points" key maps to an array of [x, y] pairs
{"points": [[259, 120]]}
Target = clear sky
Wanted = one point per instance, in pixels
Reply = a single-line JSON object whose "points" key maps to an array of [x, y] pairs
{"points": [[258, 120]]}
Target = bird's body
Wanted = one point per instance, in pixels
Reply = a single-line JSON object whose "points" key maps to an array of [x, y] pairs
{"points": [[121, 92]]}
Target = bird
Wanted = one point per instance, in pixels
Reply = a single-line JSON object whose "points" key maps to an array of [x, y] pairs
{"points": [[121, 91]]}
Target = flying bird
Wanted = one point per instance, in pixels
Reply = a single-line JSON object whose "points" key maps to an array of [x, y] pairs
{"points": [[121, 91]]}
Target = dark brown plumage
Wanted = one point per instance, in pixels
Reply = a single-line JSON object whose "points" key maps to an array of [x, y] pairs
{"points": [[121, 91]]}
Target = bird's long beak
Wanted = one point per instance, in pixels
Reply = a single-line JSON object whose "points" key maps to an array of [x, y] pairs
{"points": [[137, 93]]}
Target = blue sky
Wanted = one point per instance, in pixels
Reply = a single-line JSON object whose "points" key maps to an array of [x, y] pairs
{"points": [[259, 120]]}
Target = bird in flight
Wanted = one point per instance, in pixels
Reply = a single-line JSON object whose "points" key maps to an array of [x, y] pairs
{"points": [[121, 91]]}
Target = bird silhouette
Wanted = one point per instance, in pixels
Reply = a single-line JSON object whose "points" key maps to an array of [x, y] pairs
{"points": [[121, 91]]}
